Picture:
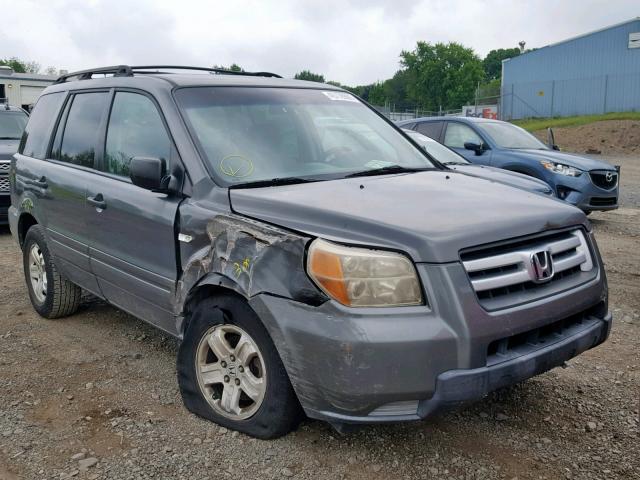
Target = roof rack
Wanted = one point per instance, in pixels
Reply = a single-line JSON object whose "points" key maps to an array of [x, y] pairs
{"points": [[129, 71]]}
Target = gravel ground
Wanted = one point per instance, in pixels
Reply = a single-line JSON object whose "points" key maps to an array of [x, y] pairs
{"points": [[94, 396]]}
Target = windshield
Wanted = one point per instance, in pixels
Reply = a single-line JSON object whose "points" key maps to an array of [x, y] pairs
{"points": [[507, 135], [437, 150], [256, 134], [12, 124]]}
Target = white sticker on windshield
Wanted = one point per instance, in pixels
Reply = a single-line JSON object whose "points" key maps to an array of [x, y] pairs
{"points": [[378, 164], [341, 96]]}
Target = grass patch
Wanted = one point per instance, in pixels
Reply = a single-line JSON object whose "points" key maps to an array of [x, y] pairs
{"points": [[541, 123]]}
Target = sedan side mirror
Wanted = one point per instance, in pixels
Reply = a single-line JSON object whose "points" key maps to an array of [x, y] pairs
{"points": [[476, 147], [149, 173]]}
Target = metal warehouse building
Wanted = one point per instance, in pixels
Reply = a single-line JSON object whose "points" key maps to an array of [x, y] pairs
{"points": [[590, 74], [22, 89]]}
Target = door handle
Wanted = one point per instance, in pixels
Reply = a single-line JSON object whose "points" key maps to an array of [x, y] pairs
{"points": [[97, 201]]}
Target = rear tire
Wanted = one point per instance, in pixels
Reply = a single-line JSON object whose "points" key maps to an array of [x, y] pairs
{"points": [[211, 364], [52, 295]]}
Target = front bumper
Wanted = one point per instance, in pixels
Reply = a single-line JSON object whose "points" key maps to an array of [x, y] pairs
{"points": [[351, 366], [457, 387], [584, 194]]}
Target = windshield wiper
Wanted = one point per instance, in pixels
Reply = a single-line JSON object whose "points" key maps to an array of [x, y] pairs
{"points": [[387, 170], [456, 163], [9, 138], [274, 182]]}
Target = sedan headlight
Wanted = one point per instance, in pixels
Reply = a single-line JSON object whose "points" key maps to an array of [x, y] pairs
{"points": [[359, 277], [561, 168]]}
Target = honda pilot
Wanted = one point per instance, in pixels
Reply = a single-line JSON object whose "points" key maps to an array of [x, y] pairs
{"points": [[311, 258]]}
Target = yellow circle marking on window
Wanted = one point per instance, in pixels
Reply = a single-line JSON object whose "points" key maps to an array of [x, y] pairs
{"points": [[236, 166]]}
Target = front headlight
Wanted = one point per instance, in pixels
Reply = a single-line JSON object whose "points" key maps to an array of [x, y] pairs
{"points": [[359, 277], [561, 168]]}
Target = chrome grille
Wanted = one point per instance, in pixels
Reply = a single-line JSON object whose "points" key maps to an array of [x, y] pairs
{"points": [[509, 274], [4, 184], [605, 179], [4, 166]]}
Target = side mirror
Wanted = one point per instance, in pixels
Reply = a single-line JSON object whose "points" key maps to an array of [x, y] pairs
{"points": [[476, 147], [148, 173], [551, 139]]}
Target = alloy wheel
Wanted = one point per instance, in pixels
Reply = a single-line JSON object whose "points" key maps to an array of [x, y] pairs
{"points": [[37, 273], [231, 371]]}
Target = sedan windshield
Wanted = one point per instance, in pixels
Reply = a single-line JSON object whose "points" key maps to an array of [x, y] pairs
{"points": [[257, 135], [12, 124], [507, 135]]}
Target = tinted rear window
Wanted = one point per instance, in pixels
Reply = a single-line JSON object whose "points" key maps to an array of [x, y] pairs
{"points": [[35, 138], [430, 129], [80, 137]]}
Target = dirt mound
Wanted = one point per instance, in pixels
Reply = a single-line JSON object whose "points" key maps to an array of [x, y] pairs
{"points": [[610, 137]]}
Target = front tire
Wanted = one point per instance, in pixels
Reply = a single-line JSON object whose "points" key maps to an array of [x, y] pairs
{"points": [[52, 295], [230, 372]]}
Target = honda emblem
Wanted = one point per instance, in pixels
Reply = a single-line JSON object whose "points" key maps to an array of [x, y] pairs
{"points": [[542, 266]]}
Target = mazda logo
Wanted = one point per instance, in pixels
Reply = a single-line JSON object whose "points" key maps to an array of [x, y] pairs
{"points": [[609, 176], [542, 266]]}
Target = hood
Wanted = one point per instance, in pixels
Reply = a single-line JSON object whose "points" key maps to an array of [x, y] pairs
{"points": [[505, 176], [8, 148], [430, 215], [583, 163]]}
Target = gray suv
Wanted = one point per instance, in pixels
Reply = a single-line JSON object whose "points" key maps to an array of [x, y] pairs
{"points": [[12, 123], [311, 258]]}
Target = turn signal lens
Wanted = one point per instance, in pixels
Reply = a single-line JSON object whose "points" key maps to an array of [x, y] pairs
{"points": [[359, 277]]}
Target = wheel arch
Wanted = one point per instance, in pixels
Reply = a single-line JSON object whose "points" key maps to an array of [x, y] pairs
{"points": [[210, 285], [25, 222]]}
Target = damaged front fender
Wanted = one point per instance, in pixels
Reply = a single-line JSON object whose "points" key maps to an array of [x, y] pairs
{"points": [[250, 258]]}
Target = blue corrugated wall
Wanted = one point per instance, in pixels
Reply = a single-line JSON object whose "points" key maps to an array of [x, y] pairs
{"points": [[592, 74]]}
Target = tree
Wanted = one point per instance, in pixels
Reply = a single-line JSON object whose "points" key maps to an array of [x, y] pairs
{"points": [[20, 66], [492, 63], [395, 89], [234, 67], [376, 94], [51, 71], [307, 75], [441, 75]]}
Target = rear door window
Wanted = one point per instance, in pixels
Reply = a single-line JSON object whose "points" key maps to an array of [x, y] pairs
{"points": [[135, 130], [35, 138], [430, 129], [79, 139]]}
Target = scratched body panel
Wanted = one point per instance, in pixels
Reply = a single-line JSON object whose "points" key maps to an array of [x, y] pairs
{"points": [[253, 257]]}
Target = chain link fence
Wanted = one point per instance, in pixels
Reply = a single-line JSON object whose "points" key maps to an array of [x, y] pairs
{"points": [[487, 107], [553, 98]]}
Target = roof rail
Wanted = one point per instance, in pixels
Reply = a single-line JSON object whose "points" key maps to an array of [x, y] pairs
{"points": [[220, 71], [128, 71], [116, 70]]}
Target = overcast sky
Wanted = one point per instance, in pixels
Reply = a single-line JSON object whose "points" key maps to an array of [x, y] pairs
{"points": [[351, 41]]}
